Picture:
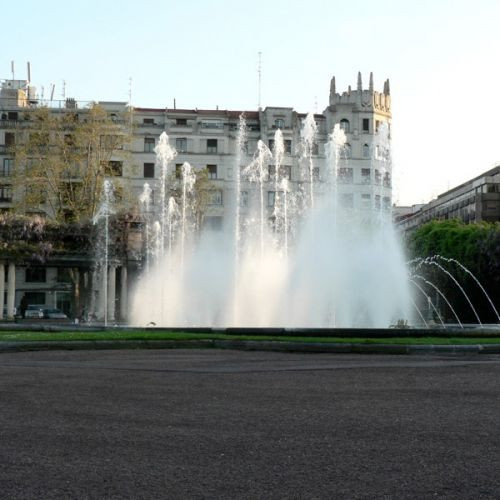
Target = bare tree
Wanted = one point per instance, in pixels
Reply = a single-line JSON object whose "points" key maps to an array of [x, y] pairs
{"points": [[62, 159]]}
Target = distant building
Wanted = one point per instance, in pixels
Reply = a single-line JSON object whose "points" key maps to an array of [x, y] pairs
{"points": [[473, 201]]}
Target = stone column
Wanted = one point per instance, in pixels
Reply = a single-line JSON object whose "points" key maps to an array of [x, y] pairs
{"points": [[11, 290], [111, 292], [124, 294], [103, 293], [2, 287]]}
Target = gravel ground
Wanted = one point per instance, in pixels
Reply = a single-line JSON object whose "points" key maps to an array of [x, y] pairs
{"points": [[232, 424]]}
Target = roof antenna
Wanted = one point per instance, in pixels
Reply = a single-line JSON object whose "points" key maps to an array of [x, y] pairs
{"points": [[29, 72], [259, 71], [63, 90], [12, 69], [130, 91]]}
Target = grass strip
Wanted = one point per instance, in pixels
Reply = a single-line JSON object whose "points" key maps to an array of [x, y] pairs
{"points": [[109, 335]]}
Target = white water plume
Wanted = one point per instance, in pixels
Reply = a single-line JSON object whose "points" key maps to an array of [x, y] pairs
{"points": [[285, 266]]}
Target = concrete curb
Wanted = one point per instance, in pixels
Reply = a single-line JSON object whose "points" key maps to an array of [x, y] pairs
{"points": [[249, 345]]}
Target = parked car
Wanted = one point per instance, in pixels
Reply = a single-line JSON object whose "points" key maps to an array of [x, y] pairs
{"points": [[34, 311], [54, 314]]}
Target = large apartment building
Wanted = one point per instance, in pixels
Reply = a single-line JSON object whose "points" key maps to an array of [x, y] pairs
{"points": [[207, 139], [476, 200]]}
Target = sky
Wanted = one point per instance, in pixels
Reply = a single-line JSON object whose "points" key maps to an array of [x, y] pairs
{"points": [[441, 56]]}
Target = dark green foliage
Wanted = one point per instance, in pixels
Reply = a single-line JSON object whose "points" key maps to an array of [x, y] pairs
{"points": [[477, 247]]}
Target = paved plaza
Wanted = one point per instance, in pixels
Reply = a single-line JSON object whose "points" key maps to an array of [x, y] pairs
{"points": [[231, 424]]}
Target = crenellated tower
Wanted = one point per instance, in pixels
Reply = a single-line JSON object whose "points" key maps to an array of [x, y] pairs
{"points": [[361, 113], [360, 104]]}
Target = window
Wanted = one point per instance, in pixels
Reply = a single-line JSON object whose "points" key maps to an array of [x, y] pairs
{"points": [[181, 144], [279, 123], [114, 168], [35, 298], [6, 169], [5, 193], [212, 171], [387, 203], [10, 139], [315, 173], [148, 121], [12, 115], [344, 125], [244, 174], [181, 122], [212, 124], [315, 148], [366, 201], [271, 198], [347, 150], [345, 175], [212, 146], [366, 124], [271, 172], [366, 151], [377, 125], [149, 170], [347, 200], [365, 176], [38, 139], [108, 142], [378, 177], [387, 179], [69, 140], [288, 146], [63, 275], [243, 198], [377, 201], [286, 172], [215, 197], [36, 275], [178, 170], [36, 193], [212, 223], [149, 144]]}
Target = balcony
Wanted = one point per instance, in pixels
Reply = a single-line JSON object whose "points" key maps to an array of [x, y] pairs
{"points": [[9, 123], [149, 125]]}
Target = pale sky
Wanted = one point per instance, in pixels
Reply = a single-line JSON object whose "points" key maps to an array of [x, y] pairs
{"points": [[441, 56]]}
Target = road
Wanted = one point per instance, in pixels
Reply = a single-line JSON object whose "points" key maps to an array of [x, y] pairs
{"points": [[232, 424]]}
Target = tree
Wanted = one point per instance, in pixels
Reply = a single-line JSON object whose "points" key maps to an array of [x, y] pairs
{"points": [[61, 161]]}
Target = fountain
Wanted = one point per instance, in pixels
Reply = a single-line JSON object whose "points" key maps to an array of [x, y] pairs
{"points": [[103, 245], [438, 262], [306, 258]]}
